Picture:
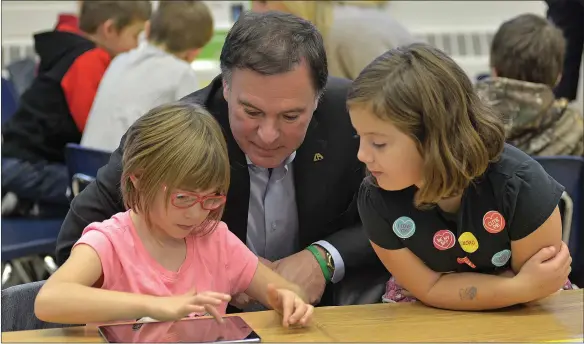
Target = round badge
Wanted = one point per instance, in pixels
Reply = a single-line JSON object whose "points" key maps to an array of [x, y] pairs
{"points": [[443, 240], [501, 258], [493, 222], [468, 242], [404, 227]]}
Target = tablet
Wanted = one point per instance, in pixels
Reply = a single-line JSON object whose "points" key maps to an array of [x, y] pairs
{"points": [[205, 330]]}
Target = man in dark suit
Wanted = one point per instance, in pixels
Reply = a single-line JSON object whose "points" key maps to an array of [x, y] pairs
{"points": [[293, 155]]}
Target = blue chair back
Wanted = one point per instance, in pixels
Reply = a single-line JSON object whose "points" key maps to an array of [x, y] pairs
{"points": [[9, 100], [569, 171], [18, 309], [83, 163], [23, 237]]}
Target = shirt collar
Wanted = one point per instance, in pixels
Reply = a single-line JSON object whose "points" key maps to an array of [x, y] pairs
{"points": [[286, 162]]}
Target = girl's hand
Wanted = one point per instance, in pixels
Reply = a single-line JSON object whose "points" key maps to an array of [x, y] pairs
{"points": [[292, 308], [177, 307], [545, 273]]}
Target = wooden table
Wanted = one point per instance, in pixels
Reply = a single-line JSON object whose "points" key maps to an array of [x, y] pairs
{"points": [[556, 318]]}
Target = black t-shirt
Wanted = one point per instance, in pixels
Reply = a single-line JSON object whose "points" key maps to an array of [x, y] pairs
{"points": [[513, 198]]}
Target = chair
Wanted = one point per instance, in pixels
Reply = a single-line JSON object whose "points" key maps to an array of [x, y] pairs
{"points": [[24, 242], [83, 163], [569, 171], [9, 100], [22, 73], [18, 309]]}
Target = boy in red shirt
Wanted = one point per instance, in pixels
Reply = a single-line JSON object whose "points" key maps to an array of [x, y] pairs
{"points": [[54, 109]]}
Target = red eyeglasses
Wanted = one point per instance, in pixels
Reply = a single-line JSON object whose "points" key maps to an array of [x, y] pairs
{"points": [[185, 200]]}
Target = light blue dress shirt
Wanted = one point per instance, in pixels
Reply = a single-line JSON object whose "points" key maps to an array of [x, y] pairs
{"points": [[272, 220]]}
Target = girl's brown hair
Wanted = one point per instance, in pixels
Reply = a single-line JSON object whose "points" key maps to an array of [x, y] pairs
{"points": [[177, 146], [427, 96]]}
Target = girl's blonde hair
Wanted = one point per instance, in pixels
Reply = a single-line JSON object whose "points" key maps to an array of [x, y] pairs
{"points": [[174, 146], [427, 96]]}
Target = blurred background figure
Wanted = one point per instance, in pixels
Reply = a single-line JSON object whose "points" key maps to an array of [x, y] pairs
{"points": [[568, 15], [154, 74], [54, 109], [355, 32], [527, 56]]}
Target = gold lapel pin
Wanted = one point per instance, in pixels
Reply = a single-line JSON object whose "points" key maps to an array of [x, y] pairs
{"points": [[318, 157]]}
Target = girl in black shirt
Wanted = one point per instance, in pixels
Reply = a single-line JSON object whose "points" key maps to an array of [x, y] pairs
{"points": [[461, 220]]}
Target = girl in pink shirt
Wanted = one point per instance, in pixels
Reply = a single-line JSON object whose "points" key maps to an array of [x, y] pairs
{"points": [[168, 256]]}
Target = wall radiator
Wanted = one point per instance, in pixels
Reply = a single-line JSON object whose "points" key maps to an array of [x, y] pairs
{"points": [[469, 49]]}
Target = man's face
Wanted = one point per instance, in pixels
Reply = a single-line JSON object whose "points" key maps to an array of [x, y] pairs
{"points": [[269, 115]]}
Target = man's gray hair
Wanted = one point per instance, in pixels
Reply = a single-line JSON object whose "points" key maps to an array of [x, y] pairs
{"points": [[273, 43]]}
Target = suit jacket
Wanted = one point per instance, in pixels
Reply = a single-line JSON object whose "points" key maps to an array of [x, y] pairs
{"points": [[327, 176]]}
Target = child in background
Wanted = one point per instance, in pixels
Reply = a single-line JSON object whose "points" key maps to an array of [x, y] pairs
{"points": [[168, 256], [460, 219], [156, 73], [69, 21], [53, 110], [527, 56]]}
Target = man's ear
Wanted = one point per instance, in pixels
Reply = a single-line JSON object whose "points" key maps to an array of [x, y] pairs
{"points": [[225, 89]]}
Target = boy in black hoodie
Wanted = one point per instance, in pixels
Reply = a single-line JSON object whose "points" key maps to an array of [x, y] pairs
{"points": [[54, 109]]}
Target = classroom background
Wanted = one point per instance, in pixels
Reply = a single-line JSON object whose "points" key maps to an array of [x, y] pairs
{"points": [[464, 29]]}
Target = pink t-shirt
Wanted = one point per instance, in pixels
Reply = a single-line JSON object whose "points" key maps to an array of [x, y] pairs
{"points": [[218, 261]]}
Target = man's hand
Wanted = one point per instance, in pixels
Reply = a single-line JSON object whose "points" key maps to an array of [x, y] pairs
{"points": [[303, 270], [243, 300]]}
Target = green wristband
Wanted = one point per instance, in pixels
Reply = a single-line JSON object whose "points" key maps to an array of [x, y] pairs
{"points": [[321, 262]]}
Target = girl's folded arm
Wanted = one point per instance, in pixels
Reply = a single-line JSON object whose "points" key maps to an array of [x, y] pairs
{"points": [[258, 288], [455, 291], [72, 294]]}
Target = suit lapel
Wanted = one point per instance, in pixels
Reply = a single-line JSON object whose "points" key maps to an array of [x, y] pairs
{"points": [[309, 174]]}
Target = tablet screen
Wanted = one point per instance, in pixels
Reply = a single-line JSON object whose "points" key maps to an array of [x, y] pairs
{"points": [[206, 330]]}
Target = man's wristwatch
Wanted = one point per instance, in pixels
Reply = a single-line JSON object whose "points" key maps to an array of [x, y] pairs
{"points": [[326, 263], [330, 263]]}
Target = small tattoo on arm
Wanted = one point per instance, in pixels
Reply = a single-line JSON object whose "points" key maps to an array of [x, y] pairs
{"points": [[467, 293]]}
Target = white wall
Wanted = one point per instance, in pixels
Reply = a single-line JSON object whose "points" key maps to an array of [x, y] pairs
{"points": [[21, 19], [421, 16]]}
